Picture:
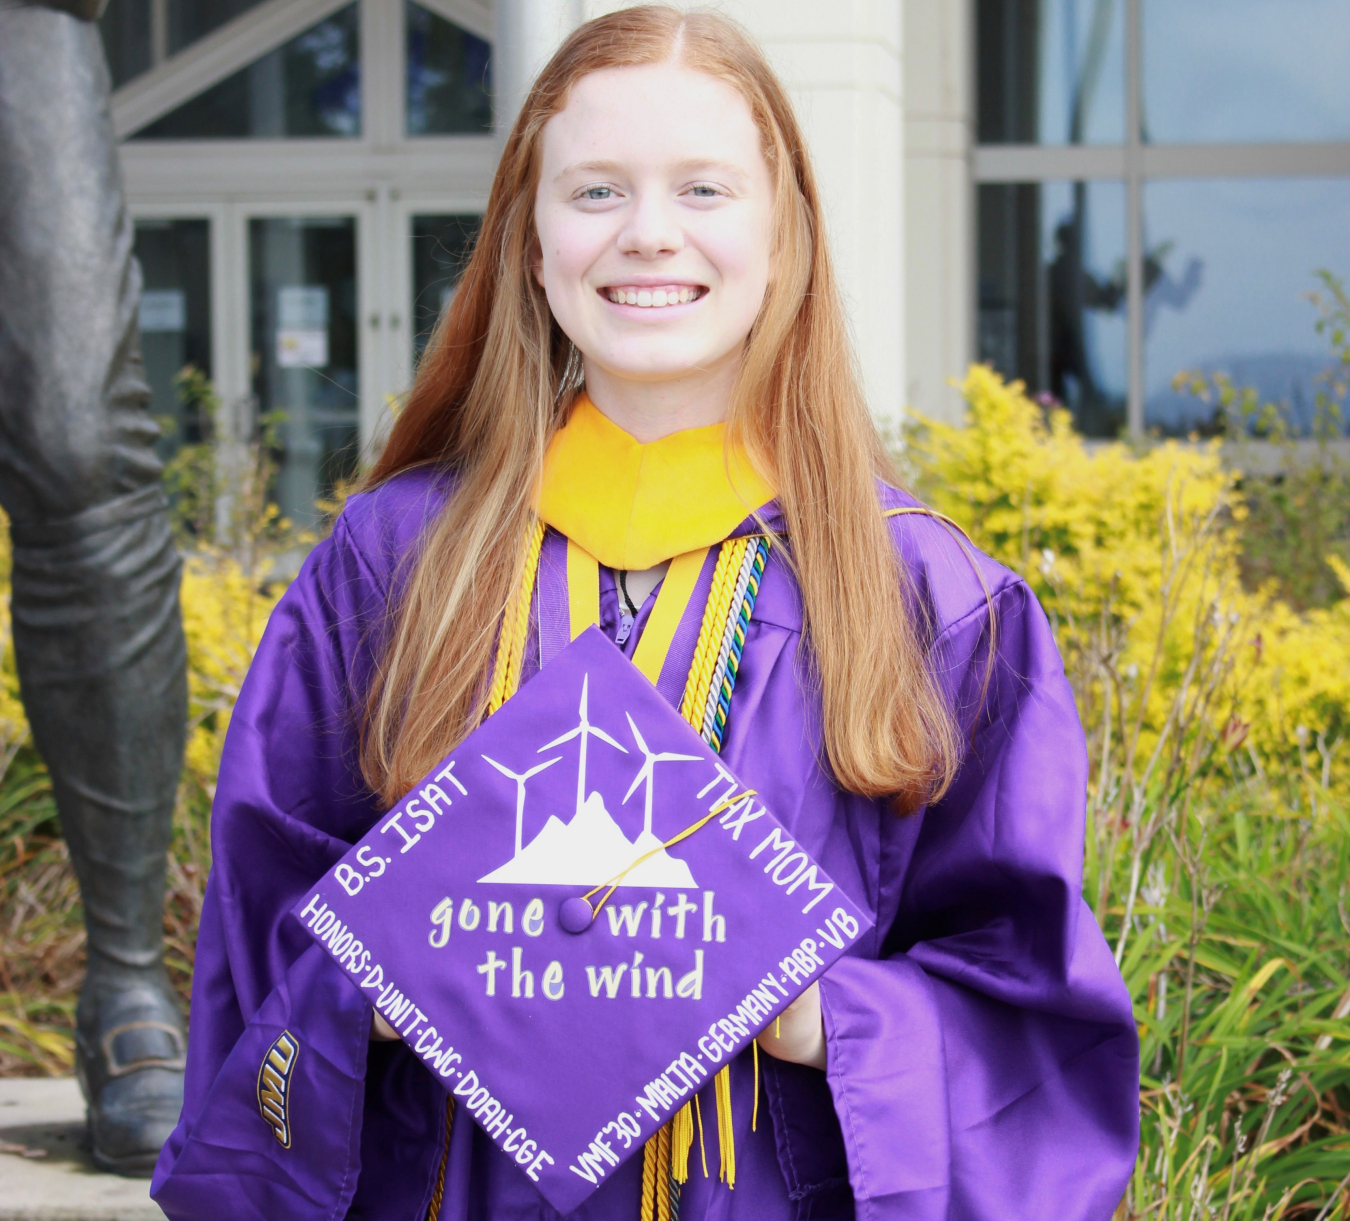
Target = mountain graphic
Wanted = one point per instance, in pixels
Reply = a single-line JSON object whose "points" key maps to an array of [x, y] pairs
{"points": [[590, 850]]}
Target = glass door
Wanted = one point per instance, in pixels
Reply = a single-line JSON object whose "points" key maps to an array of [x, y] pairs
{"points": [[441, 245], [175, 320], [305, 351]]}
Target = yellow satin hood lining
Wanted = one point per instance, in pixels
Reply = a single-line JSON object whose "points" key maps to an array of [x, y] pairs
{"points": [[633, 506]]}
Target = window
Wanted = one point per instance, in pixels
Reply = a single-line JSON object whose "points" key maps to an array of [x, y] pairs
{"points": [[1158, 185], [1231, 290], [138, 34], [125, 27], [305, 351], [175, 319], [1051, 72], [448, 80], [1051, 287], [1246, 70], [309, 87], [441, 245]]}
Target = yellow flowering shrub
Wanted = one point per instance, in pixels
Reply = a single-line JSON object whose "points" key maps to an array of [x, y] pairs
{"points": [[1135, 555], [224, 614]]}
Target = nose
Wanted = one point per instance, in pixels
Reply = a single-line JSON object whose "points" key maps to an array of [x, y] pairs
{"points": [[652, 229]]}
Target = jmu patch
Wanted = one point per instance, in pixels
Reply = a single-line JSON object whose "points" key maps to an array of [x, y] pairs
{"points": [[274, 1086]]}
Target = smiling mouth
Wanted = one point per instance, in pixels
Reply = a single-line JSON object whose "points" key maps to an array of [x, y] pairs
{"points": [[648, 297]]}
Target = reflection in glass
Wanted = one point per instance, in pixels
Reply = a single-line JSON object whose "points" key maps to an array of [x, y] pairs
{"points": [[304, 341], [441, 246], [1251, 70], [175, 318], [1238, 258], [449, 77], [126, 24], [1052, 294], [1050, 71], [190, 20], [309, 87], [125, 28]]}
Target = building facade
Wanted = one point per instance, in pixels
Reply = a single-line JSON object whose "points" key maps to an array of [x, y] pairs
{"points": [[1091, 194]]}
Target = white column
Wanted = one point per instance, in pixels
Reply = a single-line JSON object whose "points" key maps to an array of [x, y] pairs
{"points": [[528, 32], [841, 61], [939, 203]]}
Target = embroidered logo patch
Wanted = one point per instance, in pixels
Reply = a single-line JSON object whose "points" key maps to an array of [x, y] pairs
{"points": [[274, 1086]]}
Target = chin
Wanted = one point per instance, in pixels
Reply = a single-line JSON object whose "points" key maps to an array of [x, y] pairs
{"points": [[659, 364]]}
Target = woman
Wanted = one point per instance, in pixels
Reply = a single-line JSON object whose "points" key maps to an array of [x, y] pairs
{"points": [[646, 361]]}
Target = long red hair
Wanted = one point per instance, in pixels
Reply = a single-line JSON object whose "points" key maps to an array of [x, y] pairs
{"points": [[499, 376]]}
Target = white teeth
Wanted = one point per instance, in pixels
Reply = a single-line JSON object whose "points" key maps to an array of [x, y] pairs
{"points": [[652, 298]]}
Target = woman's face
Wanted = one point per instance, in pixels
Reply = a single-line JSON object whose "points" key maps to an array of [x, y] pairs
{"points": [[654, 215]]}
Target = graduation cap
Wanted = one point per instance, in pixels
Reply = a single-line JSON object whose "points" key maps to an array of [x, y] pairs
{"points": [[582, 903]]}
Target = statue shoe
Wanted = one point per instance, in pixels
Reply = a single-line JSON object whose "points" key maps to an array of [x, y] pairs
{"points": [[130, 1054]]}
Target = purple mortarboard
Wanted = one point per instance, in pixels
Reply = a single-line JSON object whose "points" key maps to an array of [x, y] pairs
{"points": [[578, 917]]}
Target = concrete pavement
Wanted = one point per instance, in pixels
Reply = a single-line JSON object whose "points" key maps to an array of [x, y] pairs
{"points": [[45, 1170]]}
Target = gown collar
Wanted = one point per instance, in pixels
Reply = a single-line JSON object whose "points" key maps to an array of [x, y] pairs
{"points": [[633, 505]]}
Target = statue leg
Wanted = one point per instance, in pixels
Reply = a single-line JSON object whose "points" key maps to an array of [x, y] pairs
{"points": [[97, 629]]}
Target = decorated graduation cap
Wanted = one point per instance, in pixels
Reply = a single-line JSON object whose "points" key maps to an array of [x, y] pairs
{"points": [[583, 903]]}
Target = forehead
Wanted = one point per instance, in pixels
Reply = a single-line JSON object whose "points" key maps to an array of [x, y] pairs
{"points": [[649, 115]]}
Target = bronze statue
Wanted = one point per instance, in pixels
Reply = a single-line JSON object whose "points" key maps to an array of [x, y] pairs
{"points": [[97, 630]]}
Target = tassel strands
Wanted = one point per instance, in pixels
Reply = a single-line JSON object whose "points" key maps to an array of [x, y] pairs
{"points": [[681, 1142], [754, 1113], [725, 1139]]}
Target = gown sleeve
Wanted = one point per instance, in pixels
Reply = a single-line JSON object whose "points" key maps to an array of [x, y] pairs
{"points": [[986, 1065], [289, 804]]}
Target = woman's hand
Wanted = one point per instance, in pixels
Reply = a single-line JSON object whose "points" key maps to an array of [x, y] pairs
{"points": [[380, 1030], [801, 1032]]}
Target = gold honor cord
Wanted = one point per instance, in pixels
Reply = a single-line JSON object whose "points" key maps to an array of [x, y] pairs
{"points": [[665, 1165]]}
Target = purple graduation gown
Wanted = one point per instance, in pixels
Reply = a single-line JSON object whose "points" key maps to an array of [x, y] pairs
{"points": [[982, 1053]]}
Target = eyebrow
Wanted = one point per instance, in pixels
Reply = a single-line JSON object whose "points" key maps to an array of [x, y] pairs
{"points": [[688, 166]]}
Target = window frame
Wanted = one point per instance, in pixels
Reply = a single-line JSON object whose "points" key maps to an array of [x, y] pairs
{"points": [[1135, 163]]}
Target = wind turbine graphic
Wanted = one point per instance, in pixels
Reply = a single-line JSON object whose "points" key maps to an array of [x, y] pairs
{"points": [[520, 790], [648, 772], [584, 730]]}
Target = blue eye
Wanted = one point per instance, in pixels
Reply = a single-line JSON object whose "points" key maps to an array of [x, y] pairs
{"points": [[703, 191], [597, 193]]}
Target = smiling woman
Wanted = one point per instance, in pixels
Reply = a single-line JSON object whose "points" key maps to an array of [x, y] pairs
{"points": [[646, 369]]}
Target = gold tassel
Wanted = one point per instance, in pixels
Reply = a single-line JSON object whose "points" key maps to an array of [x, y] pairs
{"points": [[726, 1139], [702, 1152], [754, 1113], [681, 1141]]}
